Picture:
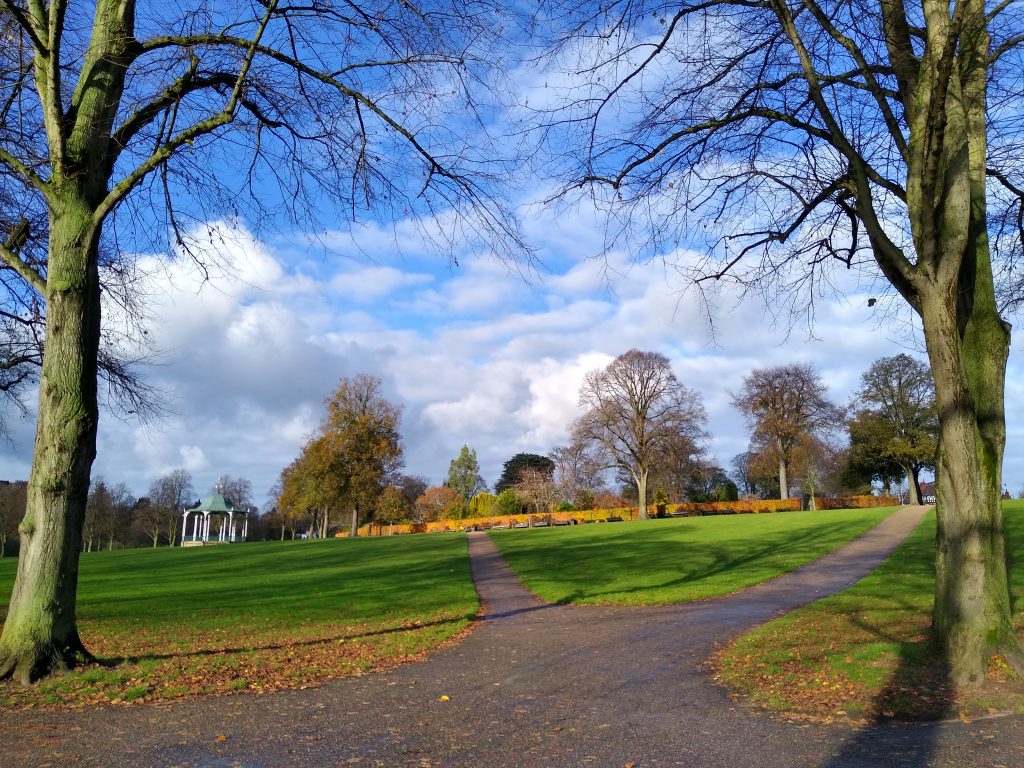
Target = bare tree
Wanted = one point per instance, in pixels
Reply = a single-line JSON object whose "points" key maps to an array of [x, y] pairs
{"points": [[635, 408], [789, 142], [577, 472], [784, 406], [537, 488], [238, 490], [123, 118], [99, 515], [168, 496]]}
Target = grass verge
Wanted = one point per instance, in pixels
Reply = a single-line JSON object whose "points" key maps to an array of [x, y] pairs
{"points": [[655, 562], [167, 623], [864, 653]]}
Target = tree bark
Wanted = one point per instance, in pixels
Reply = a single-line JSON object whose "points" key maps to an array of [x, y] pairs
{"points": [[968, 354], [913, 484], [40, 633], [783, 479], [641, 494]]}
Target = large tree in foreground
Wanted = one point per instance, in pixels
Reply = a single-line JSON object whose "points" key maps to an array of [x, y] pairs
{"points": [[123, 118], [785, 407], [636, 412], [864, 134]]}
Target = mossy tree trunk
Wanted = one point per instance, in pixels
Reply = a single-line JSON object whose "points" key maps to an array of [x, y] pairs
{"points": [[952, 288], [40, 633], [968, 344]]}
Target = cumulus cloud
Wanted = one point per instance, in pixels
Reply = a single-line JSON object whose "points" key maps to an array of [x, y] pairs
{"points": [[475, 355]]}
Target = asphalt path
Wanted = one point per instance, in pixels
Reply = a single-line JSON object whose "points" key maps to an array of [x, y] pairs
{"points": [[534, 685]]}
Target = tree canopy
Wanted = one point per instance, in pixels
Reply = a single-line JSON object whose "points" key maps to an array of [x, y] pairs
{"points": [[355, 456], [636, 409], [777, 147], [464, 474], [124, 122], [785, 406], [896, 421], [512, 468]]}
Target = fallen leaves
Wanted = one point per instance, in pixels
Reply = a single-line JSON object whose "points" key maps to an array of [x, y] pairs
{"points": [[258, 659]]}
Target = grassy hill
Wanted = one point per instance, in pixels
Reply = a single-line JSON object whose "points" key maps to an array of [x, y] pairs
{"points": [[669, 561], [167, 623], [170, 622]]}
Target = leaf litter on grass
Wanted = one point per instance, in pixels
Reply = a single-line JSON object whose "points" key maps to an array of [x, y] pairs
{"points": [[865, 653]]}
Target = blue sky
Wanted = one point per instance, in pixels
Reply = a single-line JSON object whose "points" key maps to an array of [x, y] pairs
{"points": [[479, 352], [476, 353]]}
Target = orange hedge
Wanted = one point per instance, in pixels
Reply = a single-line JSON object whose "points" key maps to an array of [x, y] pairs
{"points": [[856, 502], [625, 513]]}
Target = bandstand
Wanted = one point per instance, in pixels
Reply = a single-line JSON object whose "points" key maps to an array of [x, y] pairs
{"points": [[215, 520]]}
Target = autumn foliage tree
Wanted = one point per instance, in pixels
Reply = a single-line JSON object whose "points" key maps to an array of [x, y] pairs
{"points": [[438, 503], [349, 463]]}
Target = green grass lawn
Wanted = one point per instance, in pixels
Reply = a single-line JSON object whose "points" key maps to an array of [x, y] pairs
{"points": [[262, 615], [668, 561], [865, 651]]}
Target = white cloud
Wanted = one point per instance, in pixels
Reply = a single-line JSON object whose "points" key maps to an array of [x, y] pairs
{"points": [[493, 362]]}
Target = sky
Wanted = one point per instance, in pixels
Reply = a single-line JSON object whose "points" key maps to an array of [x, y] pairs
{"points": [[477, 353], [480, 352]]}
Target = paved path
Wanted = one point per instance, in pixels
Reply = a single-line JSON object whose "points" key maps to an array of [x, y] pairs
{"points": [[535, 685]]}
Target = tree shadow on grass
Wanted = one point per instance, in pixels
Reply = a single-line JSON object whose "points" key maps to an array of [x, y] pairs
{"points": [[115, 661], [924, 695], [744, 569], [919, 691]]}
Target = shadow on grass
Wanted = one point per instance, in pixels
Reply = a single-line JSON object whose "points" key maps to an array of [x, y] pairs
{"points": [[919, 689], [921, 692], [115, 661], [711, 562]]}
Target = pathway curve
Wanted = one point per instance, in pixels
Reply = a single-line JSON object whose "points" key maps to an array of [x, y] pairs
{"points": [[535, 685]]}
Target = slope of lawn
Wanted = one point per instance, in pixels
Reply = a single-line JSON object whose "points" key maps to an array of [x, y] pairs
{"points": [[654, 562], [261, 615], [865, 652]]}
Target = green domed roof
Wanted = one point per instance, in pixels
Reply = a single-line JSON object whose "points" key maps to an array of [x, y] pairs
{"points": [[215, 502]]}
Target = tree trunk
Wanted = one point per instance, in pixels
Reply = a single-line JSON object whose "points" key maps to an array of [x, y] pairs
{"points": [[913, 484], [355, 523], [40, 634], [968, 347], [783, 479], [641, 494]]}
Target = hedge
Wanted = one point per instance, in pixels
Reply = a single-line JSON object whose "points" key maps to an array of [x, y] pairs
{"points": [[757, 506]]}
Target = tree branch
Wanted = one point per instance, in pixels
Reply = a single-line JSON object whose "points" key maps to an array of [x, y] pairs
{"points": [[28, 273]]}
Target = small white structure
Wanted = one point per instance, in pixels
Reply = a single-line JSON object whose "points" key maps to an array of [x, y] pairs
{"points": [[214, 515]]}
